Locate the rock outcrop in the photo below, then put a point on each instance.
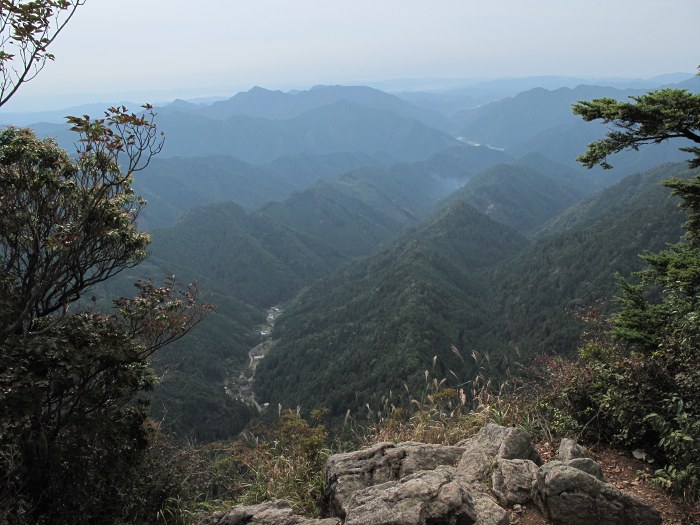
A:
(347, 473)
(278, 512)
(567, 495)
(491, 443)
(476, 482)
(428, 496)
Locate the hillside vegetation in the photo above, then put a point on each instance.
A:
(367, 261)
(466, 280)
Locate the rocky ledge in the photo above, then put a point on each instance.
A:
(474, 482)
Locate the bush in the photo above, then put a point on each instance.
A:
(282, 460)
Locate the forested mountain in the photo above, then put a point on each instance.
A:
(518, 196)
(268, 196)
(277, 105)
(174, 186)
(585, 181)
(575, 265)
(509, 122)
(449, 97)
(541, 121)
(464, 280)
(380, 321)
(358, 211)
(245, 258)
(341, 126)
(242, 255)
(338, 127)
(640, 189)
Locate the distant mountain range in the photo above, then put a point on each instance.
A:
(541, 121)
(172, 186)
(388, 233)
(438, 94)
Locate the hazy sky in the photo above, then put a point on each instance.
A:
(156, 50)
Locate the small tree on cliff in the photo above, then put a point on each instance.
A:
(658, 324)
(651, 119)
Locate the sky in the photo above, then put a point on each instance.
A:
(158, 50)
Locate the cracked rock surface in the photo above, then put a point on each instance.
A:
(475, 482)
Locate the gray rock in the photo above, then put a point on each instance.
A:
(421, 456)
(425, 498)
(514, 481)
(488, 512)
(278, 512)
(589, 466)
(346, 473)
(491, 443)
(567, 495)
(569, 449)
(414, 483)
(577, 456)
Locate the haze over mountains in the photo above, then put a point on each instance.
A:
(392, 228)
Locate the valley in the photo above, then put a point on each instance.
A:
(380, 263)
(387, 238)
(242, 386)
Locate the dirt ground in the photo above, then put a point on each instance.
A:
(627, 474)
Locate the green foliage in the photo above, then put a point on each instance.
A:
(349, 339)
(547, 400)
(652, 118)
(174, 480)
(663, 329)
(28, 28)
(679, 439)
(67, 411)
(72, 425)
(638, 382)
(59, 219)
(282, 460)
(645, 387)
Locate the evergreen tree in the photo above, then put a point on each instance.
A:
(649, 394)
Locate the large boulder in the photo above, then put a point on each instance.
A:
(570, 496)
(277, 512)
(488, 512)
(491, 443)
(345, 474)
(569, 449)
(578, 457)
(425, 498)
(514, 481)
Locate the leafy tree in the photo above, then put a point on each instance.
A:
(27, 29)
(658, 326)
(72, 425)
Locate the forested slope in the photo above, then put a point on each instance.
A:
(463, 280)
(378, 324)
